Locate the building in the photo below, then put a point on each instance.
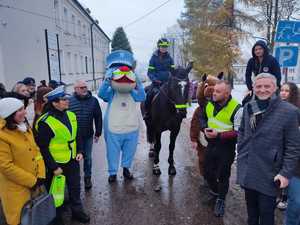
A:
(54, 39)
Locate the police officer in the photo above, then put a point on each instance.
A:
(220, 122)
(160, 66)
(60, 146)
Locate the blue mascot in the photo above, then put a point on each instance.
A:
(122, 90)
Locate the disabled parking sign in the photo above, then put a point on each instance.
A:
(287, 56)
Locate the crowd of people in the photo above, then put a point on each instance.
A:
(262, 134)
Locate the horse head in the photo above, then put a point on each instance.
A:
(206, 86)
(178, 87)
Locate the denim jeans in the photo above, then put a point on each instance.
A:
(292, 216)
(87, 148)
(260, 208)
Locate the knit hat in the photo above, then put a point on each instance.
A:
(9, 106)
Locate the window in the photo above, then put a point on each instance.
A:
(79, 28)
(81, 64)
(62, 61)
(84, 33)
(69, 63)
(66, 25)
(56, 9)
(73, 25)
(86, 64)
(75, 64)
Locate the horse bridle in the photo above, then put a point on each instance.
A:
(177, 106)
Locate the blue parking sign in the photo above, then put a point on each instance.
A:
(288, 31)
(287, 56)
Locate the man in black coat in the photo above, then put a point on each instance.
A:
(261, 62)
(87, 109)
(268, 149)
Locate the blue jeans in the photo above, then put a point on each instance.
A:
(87, 149)
(260, 208)
(292, 216)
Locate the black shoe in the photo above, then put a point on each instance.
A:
(127, 175)
(57, 221)
(80, 216)
(112, 178)
(219, 210)
(87, 183)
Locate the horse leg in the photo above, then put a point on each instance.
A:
(157, 147)
(173, 136)
(150, 139)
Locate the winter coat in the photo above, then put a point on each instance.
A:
(268, 65)
(160, 66)
(21, 164)
(272, 148)
(87, 109)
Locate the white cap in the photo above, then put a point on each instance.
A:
(9, 106)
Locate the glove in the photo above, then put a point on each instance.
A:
(109, 74)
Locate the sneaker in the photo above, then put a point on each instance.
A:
(282, 205)
(80, 216)
(87, 183)
(219, 210)
(112, 178)
(126, 173)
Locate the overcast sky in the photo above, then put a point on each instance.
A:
(143, 34)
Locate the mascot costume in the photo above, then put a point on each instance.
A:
(122, 90)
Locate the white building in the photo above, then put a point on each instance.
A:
(24, 51)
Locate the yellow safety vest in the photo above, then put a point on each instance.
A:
(221, 121)
(62, 146)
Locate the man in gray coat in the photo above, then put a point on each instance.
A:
(268, 149)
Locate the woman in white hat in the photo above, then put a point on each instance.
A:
(21, 164)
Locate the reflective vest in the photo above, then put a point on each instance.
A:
(221, 121)
(62, 146)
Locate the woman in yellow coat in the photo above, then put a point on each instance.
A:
(21, 164)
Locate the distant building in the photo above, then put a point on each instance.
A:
(25, 25)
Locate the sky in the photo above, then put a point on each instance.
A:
(144, 34)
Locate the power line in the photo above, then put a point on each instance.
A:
(147, 14)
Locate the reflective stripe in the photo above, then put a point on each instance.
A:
(163, 44)
(218, 125)
(183, 106)
(172, 66)
(151, 68)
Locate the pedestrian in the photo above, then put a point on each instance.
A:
(220, 121)
(61, 148)
(159, 70)
(122, 90)
(261, 62)
(2, 91)
(42, 84)
(20, 91)
(22, 167)
(288, 92)
(39, 104)
(30, 83)
(88, 111)
(268, 149)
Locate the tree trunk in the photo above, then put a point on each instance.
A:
(275, 24)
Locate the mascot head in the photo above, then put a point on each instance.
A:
(119, 65)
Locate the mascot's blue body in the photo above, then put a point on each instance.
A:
(122, 90)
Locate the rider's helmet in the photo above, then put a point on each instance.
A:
(163, 42)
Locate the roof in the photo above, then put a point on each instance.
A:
(90, 17)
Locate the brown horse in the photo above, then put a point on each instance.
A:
(204, 93)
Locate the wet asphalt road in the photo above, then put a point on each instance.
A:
(181, 201)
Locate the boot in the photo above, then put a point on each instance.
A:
(87, 183)
(80, 216)
(219, 210)
(127, 175)
(57, 221)
(112, 178)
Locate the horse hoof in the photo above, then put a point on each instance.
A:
(151, 153)
(172, 171)
(156, 170)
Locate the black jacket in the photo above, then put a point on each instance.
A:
(268, 65)
(87, 109)
(44, 135)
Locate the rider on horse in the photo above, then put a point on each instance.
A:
(160, 66)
